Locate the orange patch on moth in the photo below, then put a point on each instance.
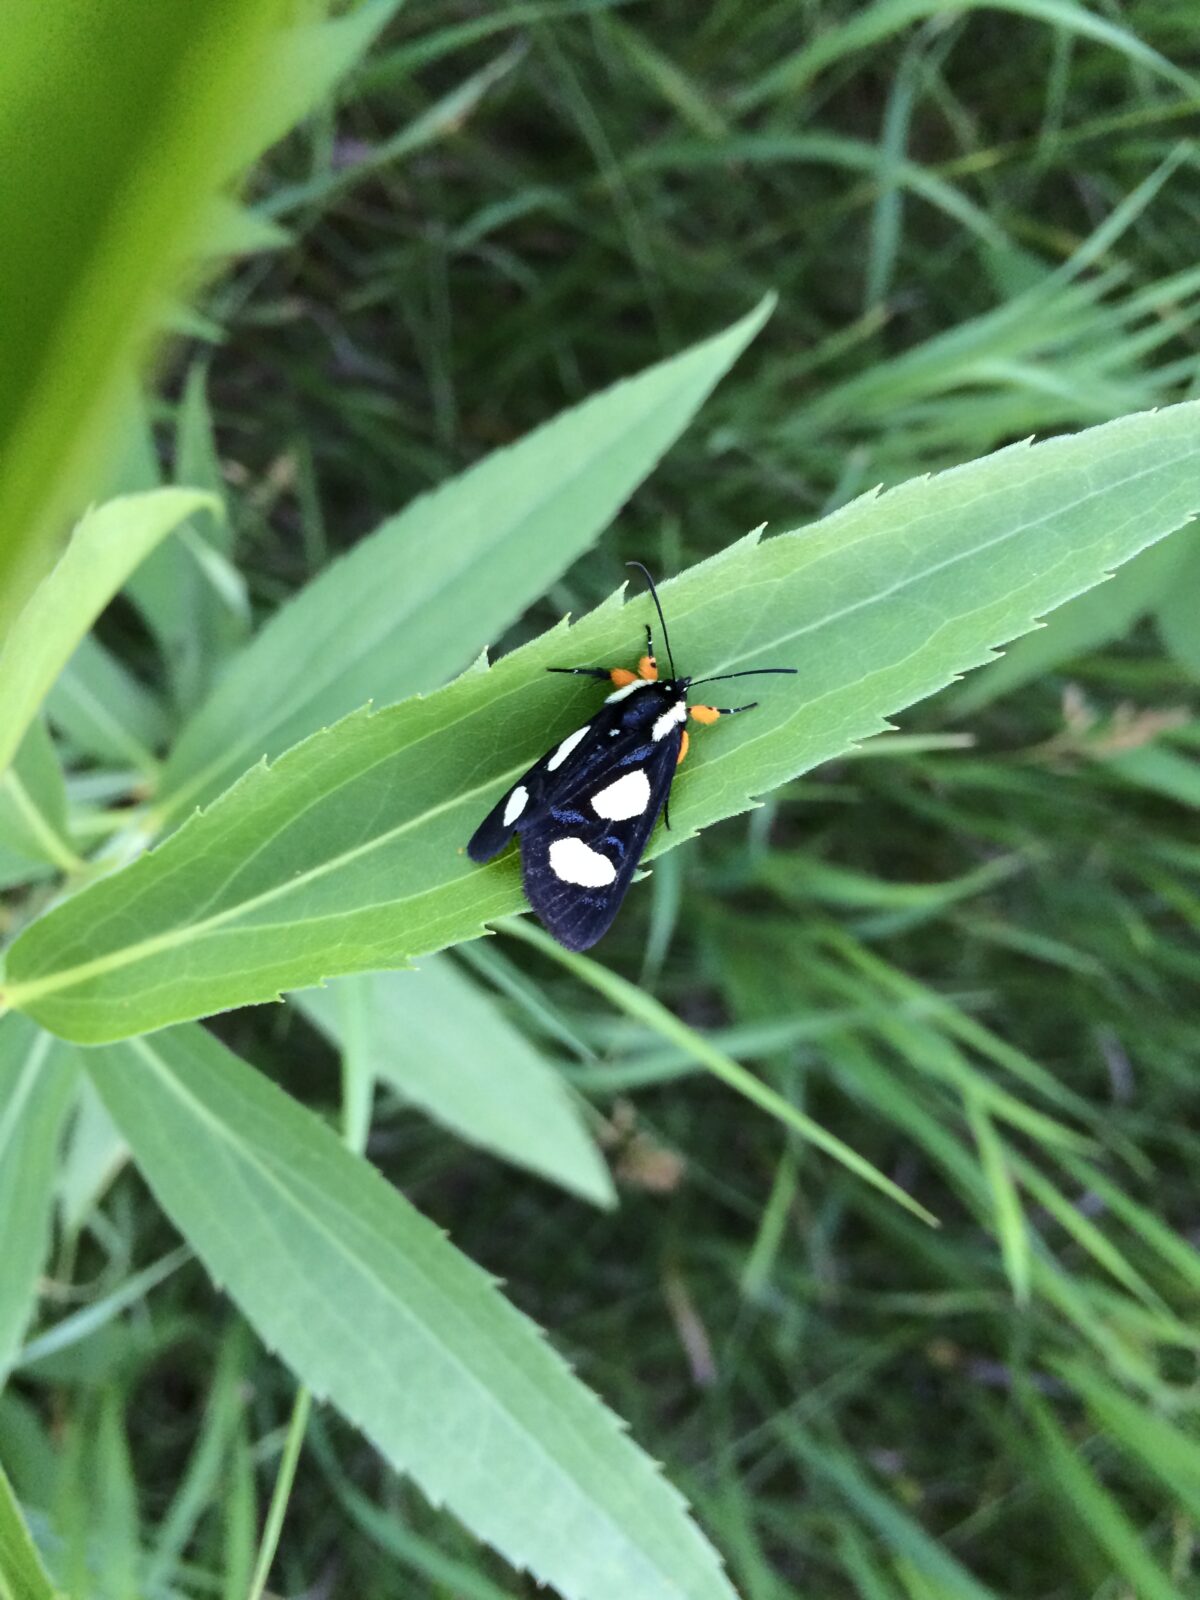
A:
(648, 669)
(621, 676)
(683, 747)
(705, 714)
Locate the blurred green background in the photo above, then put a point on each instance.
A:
(981, 224)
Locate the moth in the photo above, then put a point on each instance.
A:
(585, 811)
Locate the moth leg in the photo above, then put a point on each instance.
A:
(582, 672)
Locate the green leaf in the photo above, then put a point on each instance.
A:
(444, 1044)
(376, 1311)
(104, 549)
(105, 711)
(33, 811)
(115, 136)
(1090, 620)
(347, 855)
(37, 1077)
(869, 24)
(1177, 611)
(1066, 1471)
(430, 588)
(22, 1576)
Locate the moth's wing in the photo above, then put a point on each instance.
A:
(530, 798)
(568, 837)
(494, 832)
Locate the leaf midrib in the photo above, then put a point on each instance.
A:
(19, 994)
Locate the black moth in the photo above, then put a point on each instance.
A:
(585, 811)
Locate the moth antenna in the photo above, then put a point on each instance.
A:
(659, 609)
(754, 672)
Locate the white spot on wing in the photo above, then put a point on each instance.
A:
(572, 861)
(627, 797)
(565, 748)
(626, 690)
(670, 718)
(516, 804)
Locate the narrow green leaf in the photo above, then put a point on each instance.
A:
(347, 854)
(116, 1541)
(95, 1153)
(1066, 1471)
(1177, 612)
(105, 711)
(115, 134)
(645, 1008)
(375, 1310)
(443, 1043)
(37, 1077)
(104, 549)
(429, 589)
(1008, 1217)
(869, 24)
(33, 806)
(22, 1576)
(906, 1539)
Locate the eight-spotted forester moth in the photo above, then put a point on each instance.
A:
(586, 810)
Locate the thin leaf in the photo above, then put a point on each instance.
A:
(104, 549)
(869, 24)
(105, 711)
(636, 1003)
(443, 1043)
(22, 1576)
(347, 855)
(115, 135)
(374, 1309)
(33, 807)
(1066, 1471)
(37, 1078)
(431, 587)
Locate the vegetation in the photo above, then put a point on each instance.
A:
(854, 1171)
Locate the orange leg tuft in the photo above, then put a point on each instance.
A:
(705, 714)
(621, 676)
(648, 669)
(683, 748)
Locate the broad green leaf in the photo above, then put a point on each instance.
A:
(22, 1576)
(115, 135)
(105, 711)
(423, 595)
(375, 1310)
(347, 854)
(37, 1077)
(104, 549)
(1104, 613)
(445, 1045)
(33, 811)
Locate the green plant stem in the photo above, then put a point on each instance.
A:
(281, 1492)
